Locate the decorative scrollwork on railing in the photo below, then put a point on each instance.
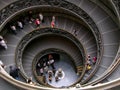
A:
(40, 32)
(117, 4)
(22, 4)
(43, 53)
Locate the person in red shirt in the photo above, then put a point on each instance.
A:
(52, 24)
(94, 60)
(37, 22)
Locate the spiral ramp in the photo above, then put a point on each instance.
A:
(105, 71)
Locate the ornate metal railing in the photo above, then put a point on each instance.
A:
(4, 16)
(109, 71)
(116, 4)
(43, 53)
(13, 9)
(40, 32)
(23, 85)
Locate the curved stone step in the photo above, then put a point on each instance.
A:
(108, 28)
(98, 18)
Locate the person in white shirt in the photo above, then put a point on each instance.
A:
(59, 74)
(53, 18)
(1, 37)
(20, 25)
(41, 17)
(51, 61)
(3, 43)
(14, 30)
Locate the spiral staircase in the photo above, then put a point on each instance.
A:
(82, 28)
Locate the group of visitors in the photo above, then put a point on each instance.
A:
(18, 25)
(47, 69)
(90, 62)
(59, 74)
(39, 19)
(44, 64)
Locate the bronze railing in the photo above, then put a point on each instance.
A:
(40, 32)
(15, 8)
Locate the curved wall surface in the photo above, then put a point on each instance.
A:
(90, 24)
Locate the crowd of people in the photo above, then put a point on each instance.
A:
(45, 64)
(90, 62)
(39, 19)
(18, 25)
(57, 76)
(36, 20)
(47, 69)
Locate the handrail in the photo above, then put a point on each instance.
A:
(116, 8)
(65, 5)
(107, 6)
(103, 86)
(111, 66)
(41, 54)
(99, 57)
(37, 33)
(5, 76)
(72, 8)
(17, 7)
(97, 64)
(109, 70)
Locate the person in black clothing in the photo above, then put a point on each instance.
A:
(40, 68)
(30, 16)
(50, 75)
(29, 80)
(14, 72)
